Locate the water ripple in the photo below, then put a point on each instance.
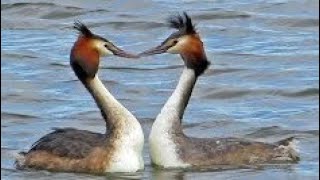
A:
(278, 131)
(222, 15)
(227, 93)
(39, 4)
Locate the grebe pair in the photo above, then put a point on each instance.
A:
(120, 149)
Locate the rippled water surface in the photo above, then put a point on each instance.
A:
(263, 83)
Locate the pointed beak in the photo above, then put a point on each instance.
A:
(157, 50)
(121, 53)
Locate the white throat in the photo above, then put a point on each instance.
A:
(162, 148)
(114, 110)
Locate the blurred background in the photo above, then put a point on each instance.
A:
(263, 83)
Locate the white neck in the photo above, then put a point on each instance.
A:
(163, 149)
(173, 110)
(115, 114)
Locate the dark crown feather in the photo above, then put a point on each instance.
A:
(83, 29)
(183, 23)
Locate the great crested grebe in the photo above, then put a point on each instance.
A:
(170, 147)
(72, 150)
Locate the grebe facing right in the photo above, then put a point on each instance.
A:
(72, 150)
(170, 147)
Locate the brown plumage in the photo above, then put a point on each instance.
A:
(70, 150)
(232, 151)
(85, 55)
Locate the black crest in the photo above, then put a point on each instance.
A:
(83, 29)
(183, 23)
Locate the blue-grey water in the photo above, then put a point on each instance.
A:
(263, 83)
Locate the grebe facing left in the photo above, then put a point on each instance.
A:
(170, 147)
(72, 150)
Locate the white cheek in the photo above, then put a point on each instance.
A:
(174, 50)
(103, 51)
(179, 46)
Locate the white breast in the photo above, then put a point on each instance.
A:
(126, 160)
(163, 150)
(128, 156)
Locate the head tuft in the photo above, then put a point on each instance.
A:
(83, 29)
(183, 23)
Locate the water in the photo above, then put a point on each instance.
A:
(263, 83)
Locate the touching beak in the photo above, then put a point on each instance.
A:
(121, 53)
(157, 50)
